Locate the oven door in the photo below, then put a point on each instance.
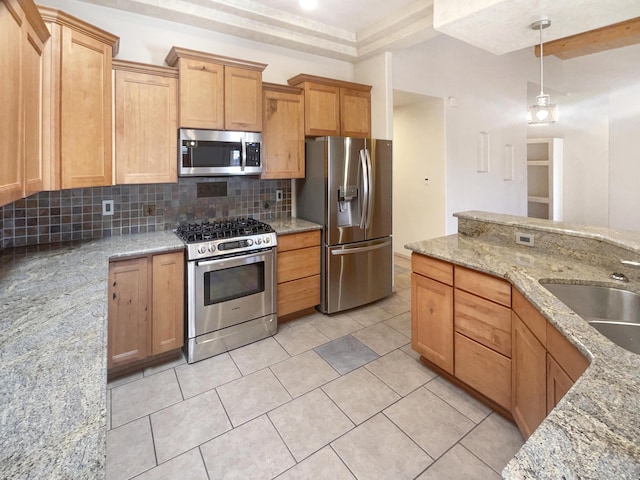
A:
(228, 291)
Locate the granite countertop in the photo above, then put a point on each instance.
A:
(285, 226)
(594, 432)
(53, 376)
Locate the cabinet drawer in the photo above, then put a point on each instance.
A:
(485, 322)
(298, 294)
(483, 285)
(531, 317)
(295, 241)
(433, 268)
(484, 370)
(296, 264)
(568, 357)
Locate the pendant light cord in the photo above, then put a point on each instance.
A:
(541, 64)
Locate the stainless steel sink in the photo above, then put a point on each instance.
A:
(613, 312)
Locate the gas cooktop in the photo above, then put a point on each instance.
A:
(224, 237)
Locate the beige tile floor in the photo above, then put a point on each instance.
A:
(279, 409)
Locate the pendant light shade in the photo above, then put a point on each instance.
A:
(543, 112)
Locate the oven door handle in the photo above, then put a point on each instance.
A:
(234, 259)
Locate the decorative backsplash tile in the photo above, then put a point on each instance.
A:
(76, 214)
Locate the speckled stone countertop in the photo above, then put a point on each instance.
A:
(293, 225)
(53, 311)
(594, 432)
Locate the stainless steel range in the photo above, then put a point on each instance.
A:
(230, 285)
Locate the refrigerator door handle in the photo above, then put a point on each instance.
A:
(370, 192)
(365, 188)
(369, 248)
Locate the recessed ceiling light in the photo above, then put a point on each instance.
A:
(308, 4)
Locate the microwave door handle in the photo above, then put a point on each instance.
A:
(243, 154)
(365, 190)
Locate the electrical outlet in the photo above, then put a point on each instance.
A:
(148, 210)
(107, 207)
(524, 239)
(278, 195)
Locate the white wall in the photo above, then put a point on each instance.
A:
(148, 40)
(418, 205)
(377, 72)
(491, 95)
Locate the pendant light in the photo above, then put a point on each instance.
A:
(543, 112)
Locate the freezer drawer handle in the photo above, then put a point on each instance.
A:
(348, 251)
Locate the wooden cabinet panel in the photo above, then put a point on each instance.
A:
(283, 132)
(531, 317)
(483, 321)
(321, 110)
(297, 264)
(145, 123)
(85, 103)
(298, 295)
(568, 357)
(201, 94)
(558, 383)
(483, 369)
(168, 302)
(529, 382)
(432, 321)
(11, 127)
(355, 113)
(298, 240)
(483, 285)
(128, 324)
(242, 99)
(433, 268)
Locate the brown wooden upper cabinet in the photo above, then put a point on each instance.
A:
(145, 123)
(23, 35)
(283, 131)
(216, 92)
(77, 96)
(334, 107)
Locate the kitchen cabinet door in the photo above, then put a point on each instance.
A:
(355, 113)
(11, 129)
(77, 103)
(283, 132)
(22, 37)
(145, 123)
(321, 109)
(432, 321)
(201, 94)
(167, 291)
(128, 318)
(558, 383)
(529, 382)
(242, 99)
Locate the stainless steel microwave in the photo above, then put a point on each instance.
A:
(206, 153)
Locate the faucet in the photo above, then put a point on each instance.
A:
(630, 263)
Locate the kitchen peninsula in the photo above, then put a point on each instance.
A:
(594, 432)
(53, 362)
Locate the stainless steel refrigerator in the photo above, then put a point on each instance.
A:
(347, 189)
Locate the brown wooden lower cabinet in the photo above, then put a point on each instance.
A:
(487, 337)
(146, 308)
(298, 273)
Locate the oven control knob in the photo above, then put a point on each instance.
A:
(259, 241)
(267, 239)
(212, 248)
(202, 249)
(250, 243)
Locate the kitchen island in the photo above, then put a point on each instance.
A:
(53, 344)
(594, 432)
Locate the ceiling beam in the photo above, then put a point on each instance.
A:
(613, 36)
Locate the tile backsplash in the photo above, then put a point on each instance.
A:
(76, 214)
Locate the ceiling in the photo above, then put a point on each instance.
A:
(353, 30)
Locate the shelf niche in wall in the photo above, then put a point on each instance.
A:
(544, 178)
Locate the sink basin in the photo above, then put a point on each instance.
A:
(613, 312)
